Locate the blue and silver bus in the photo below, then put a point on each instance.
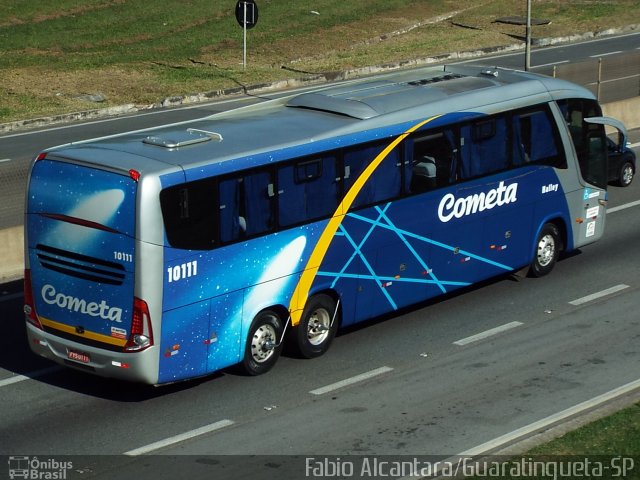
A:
(170, 253)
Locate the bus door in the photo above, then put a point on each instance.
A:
(586, 128)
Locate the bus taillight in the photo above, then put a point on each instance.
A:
(134, 174)
(29, 308)
(141, 335)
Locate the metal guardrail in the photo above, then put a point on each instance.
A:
(610, 78)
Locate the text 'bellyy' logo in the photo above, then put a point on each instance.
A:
(452, 207)
(95, 309)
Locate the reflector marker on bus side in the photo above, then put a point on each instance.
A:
(301, 292)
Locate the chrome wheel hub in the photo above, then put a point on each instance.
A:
(263, 343)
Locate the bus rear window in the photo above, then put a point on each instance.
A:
(83, 195)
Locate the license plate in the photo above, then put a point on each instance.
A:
(78, 356)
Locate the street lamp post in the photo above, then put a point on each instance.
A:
(527, 49)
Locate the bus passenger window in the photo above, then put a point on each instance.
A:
(246, 206)
(535, 140)
(383, 184)
(431, 161)
(189, 215)
(307, 190)
(483, 147)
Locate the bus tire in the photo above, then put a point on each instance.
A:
(547, 251)
(263, 343)
(625, 176)
(317, 326)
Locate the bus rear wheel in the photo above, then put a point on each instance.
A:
(263, 343)
(317, 326)
(548, 248)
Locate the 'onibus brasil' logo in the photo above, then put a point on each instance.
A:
(451, 207)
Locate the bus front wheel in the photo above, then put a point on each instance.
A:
(547, 251)
(317, 326)
(263, 343)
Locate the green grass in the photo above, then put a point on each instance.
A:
(141, 51)
(617, 434)
(609, 447)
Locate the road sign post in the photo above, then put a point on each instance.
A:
(247, 17)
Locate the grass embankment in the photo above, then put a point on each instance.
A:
(617, 434)
(608, 448)
(133, 51)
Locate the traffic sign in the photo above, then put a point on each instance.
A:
(247, 13)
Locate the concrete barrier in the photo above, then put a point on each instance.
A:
(11, 254)
(628, 111)
(12, 239)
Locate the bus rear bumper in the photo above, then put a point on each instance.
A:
(135, 366)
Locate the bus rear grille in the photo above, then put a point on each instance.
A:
(80, 266)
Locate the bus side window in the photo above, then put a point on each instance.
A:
(535, 140)
(229, 210)
(483, 147)
(246, 206)
(189, 216)
(307, 190)
(383, 184)
(431, 162)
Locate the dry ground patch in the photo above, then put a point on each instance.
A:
(130, 51)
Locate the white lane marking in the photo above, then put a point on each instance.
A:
(597, 295)
(196, 105)
(550, 64)
(623, 207)
(552, 47)
(351, 381)
(130, 115)
(28, 376)
(179, 438)
(634, 145)
(487, 333)
(605, 54)
(5, 160)
(546, 422)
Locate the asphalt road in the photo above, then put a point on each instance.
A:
(419, 383)
(432, 389)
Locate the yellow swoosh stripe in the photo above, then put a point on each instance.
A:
(301, 293)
